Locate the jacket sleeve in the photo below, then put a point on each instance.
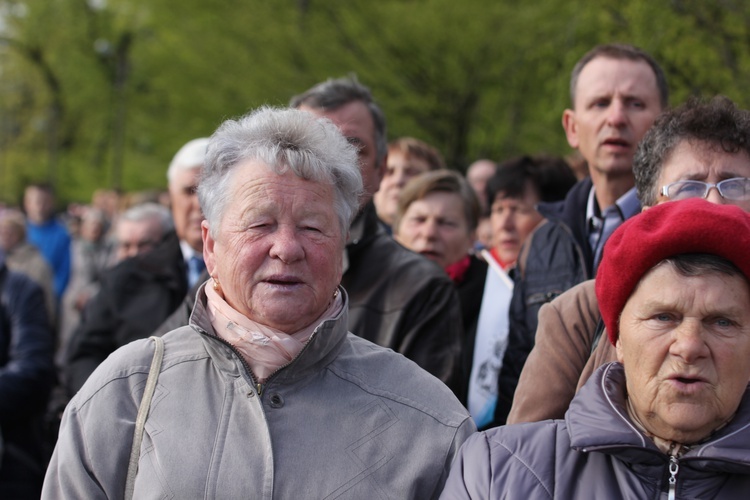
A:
(464, 432)
(563, 344)
(92, 341)
(28, 373)
(431, 331)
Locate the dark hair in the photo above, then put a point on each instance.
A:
(699, 264)
(718, 124)
(414, 148)
(335, 93)
(447, 181)
(550, 176)
(620, 51)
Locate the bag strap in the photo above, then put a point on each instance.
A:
(143, 409)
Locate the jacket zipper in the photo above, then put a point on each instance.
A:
(674, 468)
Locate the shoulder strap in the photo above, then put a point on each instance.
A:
(140, 421)
(597, 335)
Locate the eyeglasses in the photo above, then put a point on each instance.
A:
(737, 188)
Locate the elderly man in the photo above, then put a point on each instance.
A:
(398, 299)
(671, 418)
(138, 294)
(616, 92)
(264, 394)
(700, 149)
(140, 229)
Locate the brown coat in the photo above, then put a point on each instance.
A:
(561, 361)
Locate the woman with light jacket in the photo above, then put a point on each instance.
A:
(264, 394)
(671, 418)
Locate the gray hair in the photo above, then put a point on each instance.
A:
(283, 139)
(149, 211)
(335, 93)
(717, 124)
(191, 155)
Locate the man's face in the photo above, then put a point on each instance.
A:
(186, 210)
(137, 237)
(355, 123)
(616, 101)
(38, 204)
(698, 161)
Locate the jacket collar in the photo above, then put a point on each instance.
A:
(597, 420)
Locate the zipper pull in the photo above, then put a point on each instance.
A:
(259, 387)
(674, 468)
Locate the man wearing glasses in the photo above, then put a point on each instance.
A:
(698, 150)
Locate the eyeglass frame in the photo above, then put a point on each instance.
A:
(708, 186)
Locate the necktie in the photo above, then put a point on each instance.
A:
(195, 268)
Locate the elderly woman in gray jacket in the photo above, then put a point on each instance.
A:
(671, 419)
(264, 394)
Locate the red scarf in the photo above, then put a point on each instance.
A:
(496, 256)
(458, 269)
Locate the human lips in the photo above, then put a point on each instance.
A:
(616, 143)
(687, 383)
(282, 280)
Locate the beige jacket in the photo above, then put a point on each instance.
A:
(561, 361)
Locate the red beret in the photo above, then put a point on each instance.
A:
(663, 231)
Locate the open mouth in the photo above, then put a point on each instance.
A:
(622, 143)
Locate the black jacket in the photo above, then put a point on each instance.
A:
(27, 374)
(135, 297)
(555, 257)
(401, 300)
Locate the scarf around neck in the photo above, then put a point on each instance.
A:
(265, 349)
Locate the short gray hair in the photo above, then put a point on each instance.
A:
(337, 92)
(191, 155)
(149, 211)
(283, 139)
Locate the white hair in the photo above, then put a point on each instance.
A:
(191, 155)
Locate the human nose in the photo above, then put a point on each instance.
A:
(616, 116)
(688, 341)
(286, 246)
(508, 221)
(714, 196)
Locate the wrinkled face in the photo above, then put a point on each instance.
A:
(616, 103)
(355, 123)
(436, 227)
(512, 220)
(278, 249)
(137, 237)
(38, 204)
(697, 161)
(186, 210)
(399, 170)
(685, 351)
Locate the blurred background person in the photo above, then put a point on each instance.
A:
(139, 294)
(513, 192)
(48, 234)
(407, 158)
(23, 257)
(437, 217)
(27, 374)
(477, 174)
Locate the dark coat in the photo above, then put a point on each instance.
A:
(135, 297)
(401, 300)
(596, 452)
(27, 374)
(470, 292)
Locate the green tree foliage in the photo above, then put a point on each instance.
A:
(101, 93)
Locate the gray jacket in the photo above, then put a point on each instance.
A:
(597, 453)
(345, 419)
